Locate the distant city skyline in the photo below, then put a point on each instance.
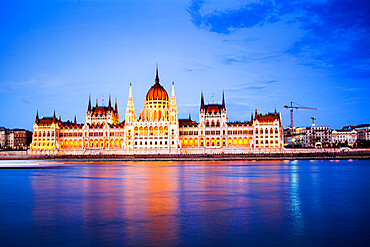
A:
(260, 53)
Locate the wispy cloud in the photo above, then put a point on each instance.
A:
(352, 100)
(226, 21)
(251, 57)
(23, 100)
(349, 89)
(256, 86)
(336, 37)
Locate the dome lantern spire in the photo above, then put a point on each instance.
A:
(156, 75)
(157, 92)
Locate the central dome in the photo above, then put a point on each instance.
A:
(157, 92)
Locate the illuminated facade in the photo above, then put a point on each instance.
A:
(157, 130)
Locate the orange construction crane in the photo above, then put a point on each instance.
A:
(291, 107)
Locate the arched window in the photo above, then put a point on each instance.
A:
(154, 115)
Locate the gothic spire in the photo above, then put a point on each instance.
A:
(156, 75)
(130, 109)
(115, 106)
(109, 104)
(75, 122)
(96, 102)
(37, 117)
(201, 101)
(173, 90)
(223, 100)
(89, 106)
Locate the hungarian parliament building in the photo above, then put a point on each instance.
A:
(157, 130)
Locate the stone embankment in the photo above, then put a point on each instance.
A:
(289, 154)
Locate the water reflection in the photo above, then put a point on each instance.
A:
(296, 204)
(189, 203)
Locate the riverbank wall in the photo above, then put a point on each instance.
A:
(289, 154)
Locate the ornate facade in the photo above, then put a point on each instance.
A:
(157, 130)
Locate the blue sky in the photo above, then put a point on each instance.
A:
(263, 54)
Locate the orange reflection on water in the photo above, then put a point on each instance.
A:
(151, 196)
(147, 200)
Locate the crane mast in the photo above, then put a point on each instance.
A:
(291, 107)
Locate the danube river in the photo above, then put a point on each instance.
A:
(261, 203)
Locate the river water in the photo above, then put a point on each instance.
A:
(250, 203)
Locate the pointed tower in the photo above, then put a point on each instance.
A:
(173, 106)
(115, 106)
(37, 120)
(75, 121)
(97, 103)
(202, 111)
(156, 75)
(130, 109)
(130, 121)
(89, 105)
(223, 111)
(173, 121)
(54, 118)
(173, 91)
(201, 101)
(109, 104)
